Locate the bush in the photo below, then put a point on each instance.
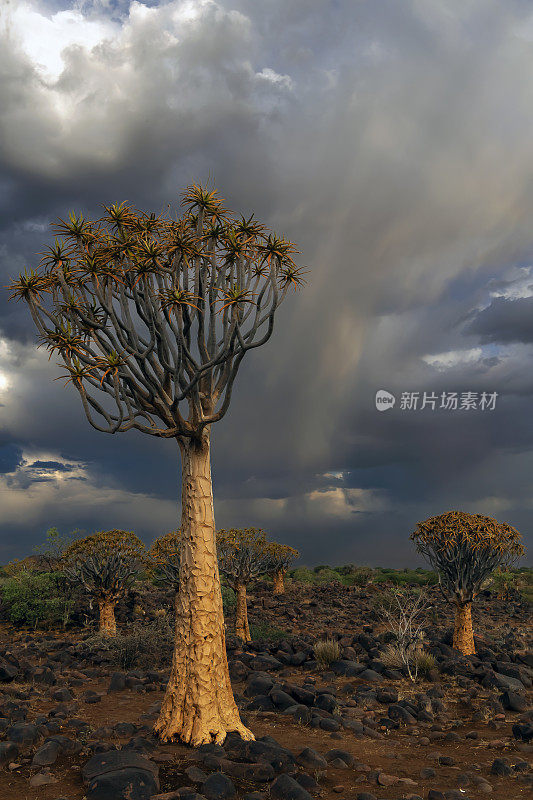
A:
(141, 646)
(302, 575)
(425, 662)
(359, 576)
(263, 632)
(327, 575)
(420, 661)
(229, 601)
(404, 612)
(326, 651)
(37, 599)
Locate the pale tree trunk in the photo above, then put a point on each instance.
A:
(242, 631)
(107, 622)
(198, 706)
(279, 585)
(463, 636)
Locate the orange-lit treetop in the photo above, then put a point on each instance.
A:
(281, 556)
(465, 548)
(105, 562)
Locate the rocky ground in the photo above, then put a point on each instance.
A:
(72, 726)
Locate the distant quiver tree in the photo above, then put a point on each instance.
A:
(104, 565)
(243, 555)
(281, 557)
(464, 549)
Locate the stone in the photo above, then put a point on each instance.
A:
(500, 767)
(506, 682)
(512, 701)
(371, 676)
(42, 779)
(330, 725)
(387, 780)
(258, 684)
(523, 731)
(343, 755)
(117, 683)
(326, 702)
(281, 699)
(261, 703)
(310, 759)
(347, 668)
(195, 774)
(286, 788)
(24, 733)
(8, 672)
(218, 787)
(46, 754)
(8, 751)
(120, 775)
(62, 695)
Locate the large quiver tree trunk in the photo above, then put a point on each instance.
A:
(198, 706)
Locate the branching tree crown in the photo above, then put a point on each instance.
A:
(104, 563)
(465, 548)
(242, 554)
(164, 558)
(280, 556)
(152, 315)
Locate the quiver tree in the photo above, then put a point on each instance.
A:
(152, 317)
(464, 549)
(242, 556)
(104, 565)
(281, 557)
(164, 559)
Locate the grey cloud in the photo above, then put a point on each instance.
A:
(394, 148)
(505, 320)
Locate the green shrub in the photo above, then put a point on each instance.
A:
(327, 575)
(302, 575)
(358, 576)
(37, 599)
(229, 601)
(263, 632)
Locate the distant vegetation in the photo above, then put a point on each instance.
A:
(35, 592)
(353, 575)
(516, 581)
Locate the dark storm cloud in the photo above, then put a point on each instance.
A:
(505, 321)
(10, 457)
(391, 142)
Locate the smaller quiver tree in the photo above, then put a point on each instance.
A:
(464, 549)
(281, 556)
(164, 561)
(104, 564)
(242, 556)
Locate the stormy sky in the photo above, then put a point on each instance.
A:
(392, 142)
